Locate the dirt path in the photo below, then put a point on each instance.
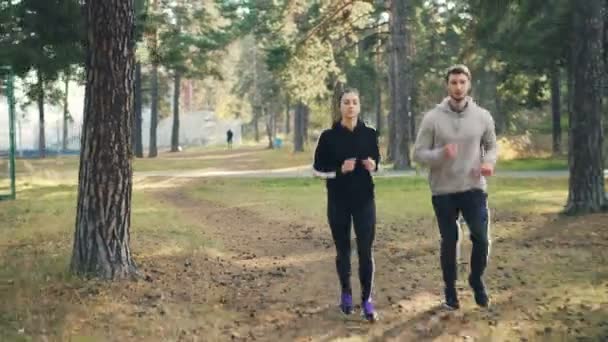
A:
(277, 278)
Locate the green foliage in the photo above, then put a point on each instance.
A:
(41, 35)
(256, 84)
(527, 39)
(188, 37)
(528, 33)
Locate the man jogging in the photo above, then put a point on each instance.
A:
(457, 141)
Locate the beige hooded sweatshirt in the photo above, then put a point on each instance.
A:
(472, 130)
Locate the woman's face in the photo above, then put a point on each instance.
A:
(349, 106)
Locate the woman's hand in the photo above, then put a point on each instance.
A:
(348, 165)
(369, 164)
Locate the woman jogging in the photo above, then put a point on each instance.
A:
(346, 156)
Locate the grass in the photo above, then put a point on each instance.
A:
(245, 158)
(396, 197)
(204, 158)
(35, 249)
(534, 164)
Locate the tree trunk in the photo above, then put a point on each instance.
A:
(40, 101)
(570, 86)
(586, 185)
(153, 150)
(137, 104)
(176, 95)
(298, 129)
(305, 123)
(556, 111)
(66, 113)
(270, 129)
(287, 116)
(103, 218)
(400, 54)
(336, 114)
(392, 76)
(275, 118)
(493, 100)
(379, 105)
(378, 84)
(413, 108)
(256, 128)
(390, 148)
(605, 82)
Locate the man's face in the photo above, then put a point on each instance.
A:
(458, 86)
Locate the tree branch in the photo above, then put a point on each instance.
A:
(323, 22)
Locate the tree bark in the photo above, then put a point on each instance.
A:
(153, 149)
(137, 130)
(392, 76)
(256, 127)
(379, 105)
(392, 137)
(605, 82)
(413, 108)
(586, 184)
(378, 85)
(40, 101)
(103, 218)
(270, 129)
(494, 101)
(305, 124)
(556, 111)
(401, 55)
(287, 116)
(176, 95)
(298, 129)
(66, 112)
(570, 86)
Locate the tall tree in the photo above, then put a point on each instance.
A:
(141, 11)
(153, 148)
(138, 148)
(189, 43)
(177, 85)
(260, 87)
(556, 110)
(43, 37)
(103, 218)
(298, 134)
(514, 31)
(155, 60)
(66, 111)
(400, 56)
(586, 185)
(69, 74)
(287, 114)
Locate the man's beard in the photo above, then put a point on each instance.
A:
(458, 99)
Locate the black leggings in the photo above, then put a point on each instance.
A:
(340, 215)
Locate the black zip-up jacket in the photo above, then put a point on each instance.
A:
(339, 144)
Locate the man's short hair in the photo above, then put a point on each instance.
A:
(457, 69)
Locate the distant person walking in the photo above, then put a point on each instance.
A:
(229, 136)
(346, 156)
